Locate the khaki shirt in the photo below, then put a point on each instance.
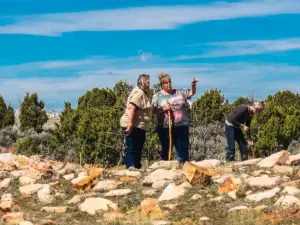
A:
(143, 113)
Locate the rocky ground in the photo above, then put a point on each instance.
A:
(257, 191)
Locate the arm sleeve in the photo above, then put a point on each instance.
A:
(237, 114)
(248, 123)
(136, 100)
(185, 93)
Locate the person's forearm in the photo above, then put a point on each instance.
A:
(131, 115)
(193, 90)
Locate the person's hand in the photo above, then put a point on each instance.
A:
(245, 128)
(167, 107)
(128, 130)
(250, 143)
(194, 81)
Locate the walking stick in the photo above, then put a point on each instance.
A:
(170, 134)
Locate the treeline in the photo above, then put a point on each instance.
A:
(91, 133)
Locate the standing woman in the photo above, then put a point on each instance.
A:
(175, 101)
(136, 121)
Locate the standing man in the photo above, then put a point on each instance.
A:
(240, 119)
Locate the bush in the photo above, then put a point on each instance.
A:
(35, 143)
(8, 136)
(294, 147)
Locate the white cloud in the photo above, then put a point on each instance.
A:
(145, 18)
(234, 79)
(245, 47)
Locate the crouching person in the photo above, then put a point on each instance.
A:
(136, 121)
(239, 119)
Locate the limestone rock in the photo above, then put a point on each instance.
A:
(25, 180)
(227, 186)
(13, 218)
(107, 185)
(162, 174)
(58, 209)
(172, 192)
(257, 197)
(238, 208)
(150, 209)
(69, 177)
(291, 190)
(164, 165)
(28, 190)
(287, 201)
(76, 199)
(5, 183)
(93, 205)
(294, 160)
(279, 158)
(25, 223)
(119, 192)
(44, 195)
(263, 181)
(249, 162)
(286, 170)
(196, 197)
(208, 163)
(149, 192)
(196, 174)
(161, 184)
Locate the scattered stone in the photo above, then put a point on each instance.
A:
(293, 160)
(93, 205)
(119, 192)
(278, 158)
(28, 190)
(44, 195)
(165, 165)
(25, 223)
(196, 174)
(293, 183)
(6, 157)
(6, 206)
(196, 197)
(291, 190)
(257, 197)
(244, 176)
(204, 218)
(135, 174)
(13, 218)
(208, 163)
(249, 192)
(161, 184)
(150, 209)
(58, 210)
(257, 173)
(62, 172)
(217, 199)
(113, 216)
(149, 192)
(232, 195)
(25, 180)
(5, 183)
(263, 181)
(162, 174)
(69, 177)
(227, 186)
(158, 222)
(3, 174)
(238, 208)
(170, 206)
(286, 170)
(287, 201)
(76, 199)
(222, 179)
(186, 185)
(107, 185)
(6, 197)
(250, 162)
(172, 192)
(80, 177)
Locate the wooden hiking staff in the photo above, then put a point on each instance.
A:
(170, 134)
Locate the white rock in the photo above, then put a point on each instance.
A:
(28, 190)
(92, 205)
(6, 157)
(232, 195)
(263, 181)
(263, 195)
(44, 195)
(18, 173)
(136, 174)
(275, 159)
(287, 201)
(249, 192)
(172, 192)
(217, 199)
(76, 199)
(69, 177)
(80, 177)
(6, 197)
(293, 160)
(186, 185)
(164, 165)
(149, 192)
(250, 162)
(161, 184)
(238, 208)
(158, 222)
(25, 180)
(107, 185)
(162, 174)
(196, 197)
(119, 192)
(25, 223)
(204, 218)
(5, 183)
(223, 178)
(208, 163)
(290, 190)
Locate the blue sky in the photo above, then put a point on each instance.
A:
(62, 48)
